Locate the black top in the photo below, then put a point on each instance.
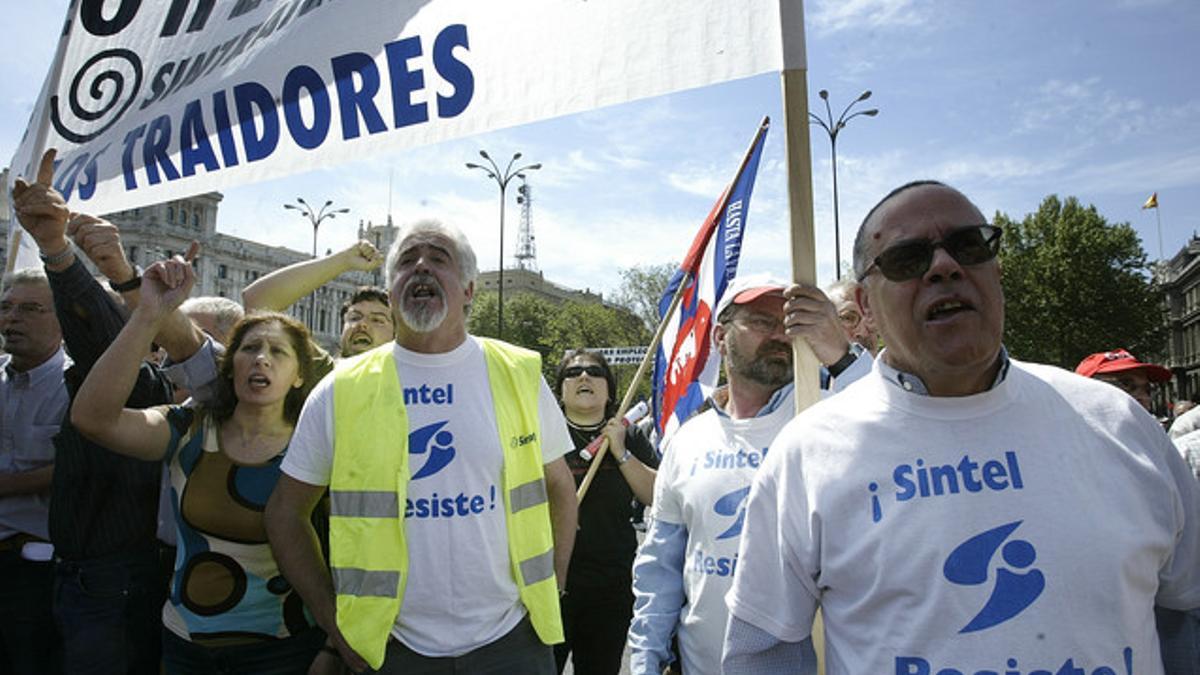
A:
(605, 543)
(101, 503)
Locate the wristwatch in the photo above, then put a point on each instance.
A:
(625, 457)
(131, 284)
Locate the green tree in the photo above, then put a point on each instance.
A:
(526, 318)
(1075, 284)
(551, 330)
(594, 325)
(641, 288)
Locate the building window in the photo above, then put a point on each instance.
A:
(323, 318)
(222, 272)
(170, 214)
(196, 220)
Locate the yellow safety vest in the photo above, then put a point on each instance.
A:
(368, 554)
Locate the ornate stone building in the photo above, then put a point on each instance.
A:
(1180, 281)
(535, 283)
(228, 264)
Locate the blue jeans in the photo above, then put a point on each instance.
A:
(29, 645)
(109, 611)
(288, 656)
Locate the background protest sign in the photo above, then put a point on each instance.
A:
(152, 101)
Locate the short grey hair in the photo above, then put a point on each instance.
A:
(468, 269)
(28, 276)
(841, 289)
(224, 311)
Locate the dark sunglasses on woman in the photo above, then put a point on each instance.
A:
(575, 371)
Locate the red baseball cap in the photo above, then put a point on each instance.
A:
(1117, 361)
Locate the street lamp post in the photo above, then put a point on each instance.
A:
(832, 128)
(316, 219)
(502, 177)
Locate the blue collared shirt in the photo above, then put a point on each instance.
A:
(32, 406)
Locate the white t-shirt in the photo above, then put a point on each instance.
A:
(1022, 529)
(702, 484)
(460, 594)
(1185, 423)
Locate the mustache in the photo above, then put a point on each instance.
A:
(775, 346)
(425, 279)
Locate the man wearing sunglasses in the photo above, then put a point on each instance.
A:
(958, 511)
(687, 560)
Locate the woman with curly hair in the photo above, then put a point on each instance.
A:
(230, 610)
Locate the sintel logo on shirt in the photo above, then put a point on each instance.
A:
(968, 565)
(918, 481)
(720, 459)
(436, 444)
(1012, 592)
(731, 505)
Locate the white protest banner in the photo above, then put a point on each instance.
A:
(149, 101)
(621, 356)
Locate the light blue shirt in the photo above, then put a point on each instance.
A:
(32, 406)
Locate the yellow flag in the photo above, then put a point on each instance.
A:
(1152, 202)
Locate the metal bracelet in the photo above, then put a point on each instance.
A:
(58, 258)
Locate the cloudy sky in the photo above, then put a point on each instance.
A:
(1010, 101)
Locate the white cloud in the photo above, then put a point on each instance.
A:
(1142, 4)
(1087, 111)
(701, 182)
(830, 16)
(1143, 173)
(1000, 168)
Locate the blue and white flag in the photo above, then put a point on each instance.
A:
(687, 365)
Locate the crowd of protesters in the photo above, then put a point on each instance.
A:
(193, 485)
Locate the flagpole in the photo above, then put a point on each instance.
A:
(1158, 218)
(633, 384)
(15, 232)
(710, 222)
(805, 365)
(794, 83)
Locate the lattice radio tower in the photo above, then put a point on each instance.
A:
(526, 248)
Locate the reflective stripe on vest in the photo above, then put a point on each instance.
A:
(369, 483)
(528, 495)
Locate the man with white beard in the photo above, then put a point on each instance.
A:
(453, 511)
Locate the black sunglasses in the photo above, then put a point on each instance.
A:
(907, 260)
(575, 371)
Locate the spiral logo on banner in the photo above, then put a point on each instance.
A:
(101, 91)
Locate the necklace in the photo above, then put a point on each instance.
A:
(586, 427)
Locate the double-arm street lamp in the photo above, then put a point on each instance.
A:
(316, 219)
(832, 128)
(502, 178)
